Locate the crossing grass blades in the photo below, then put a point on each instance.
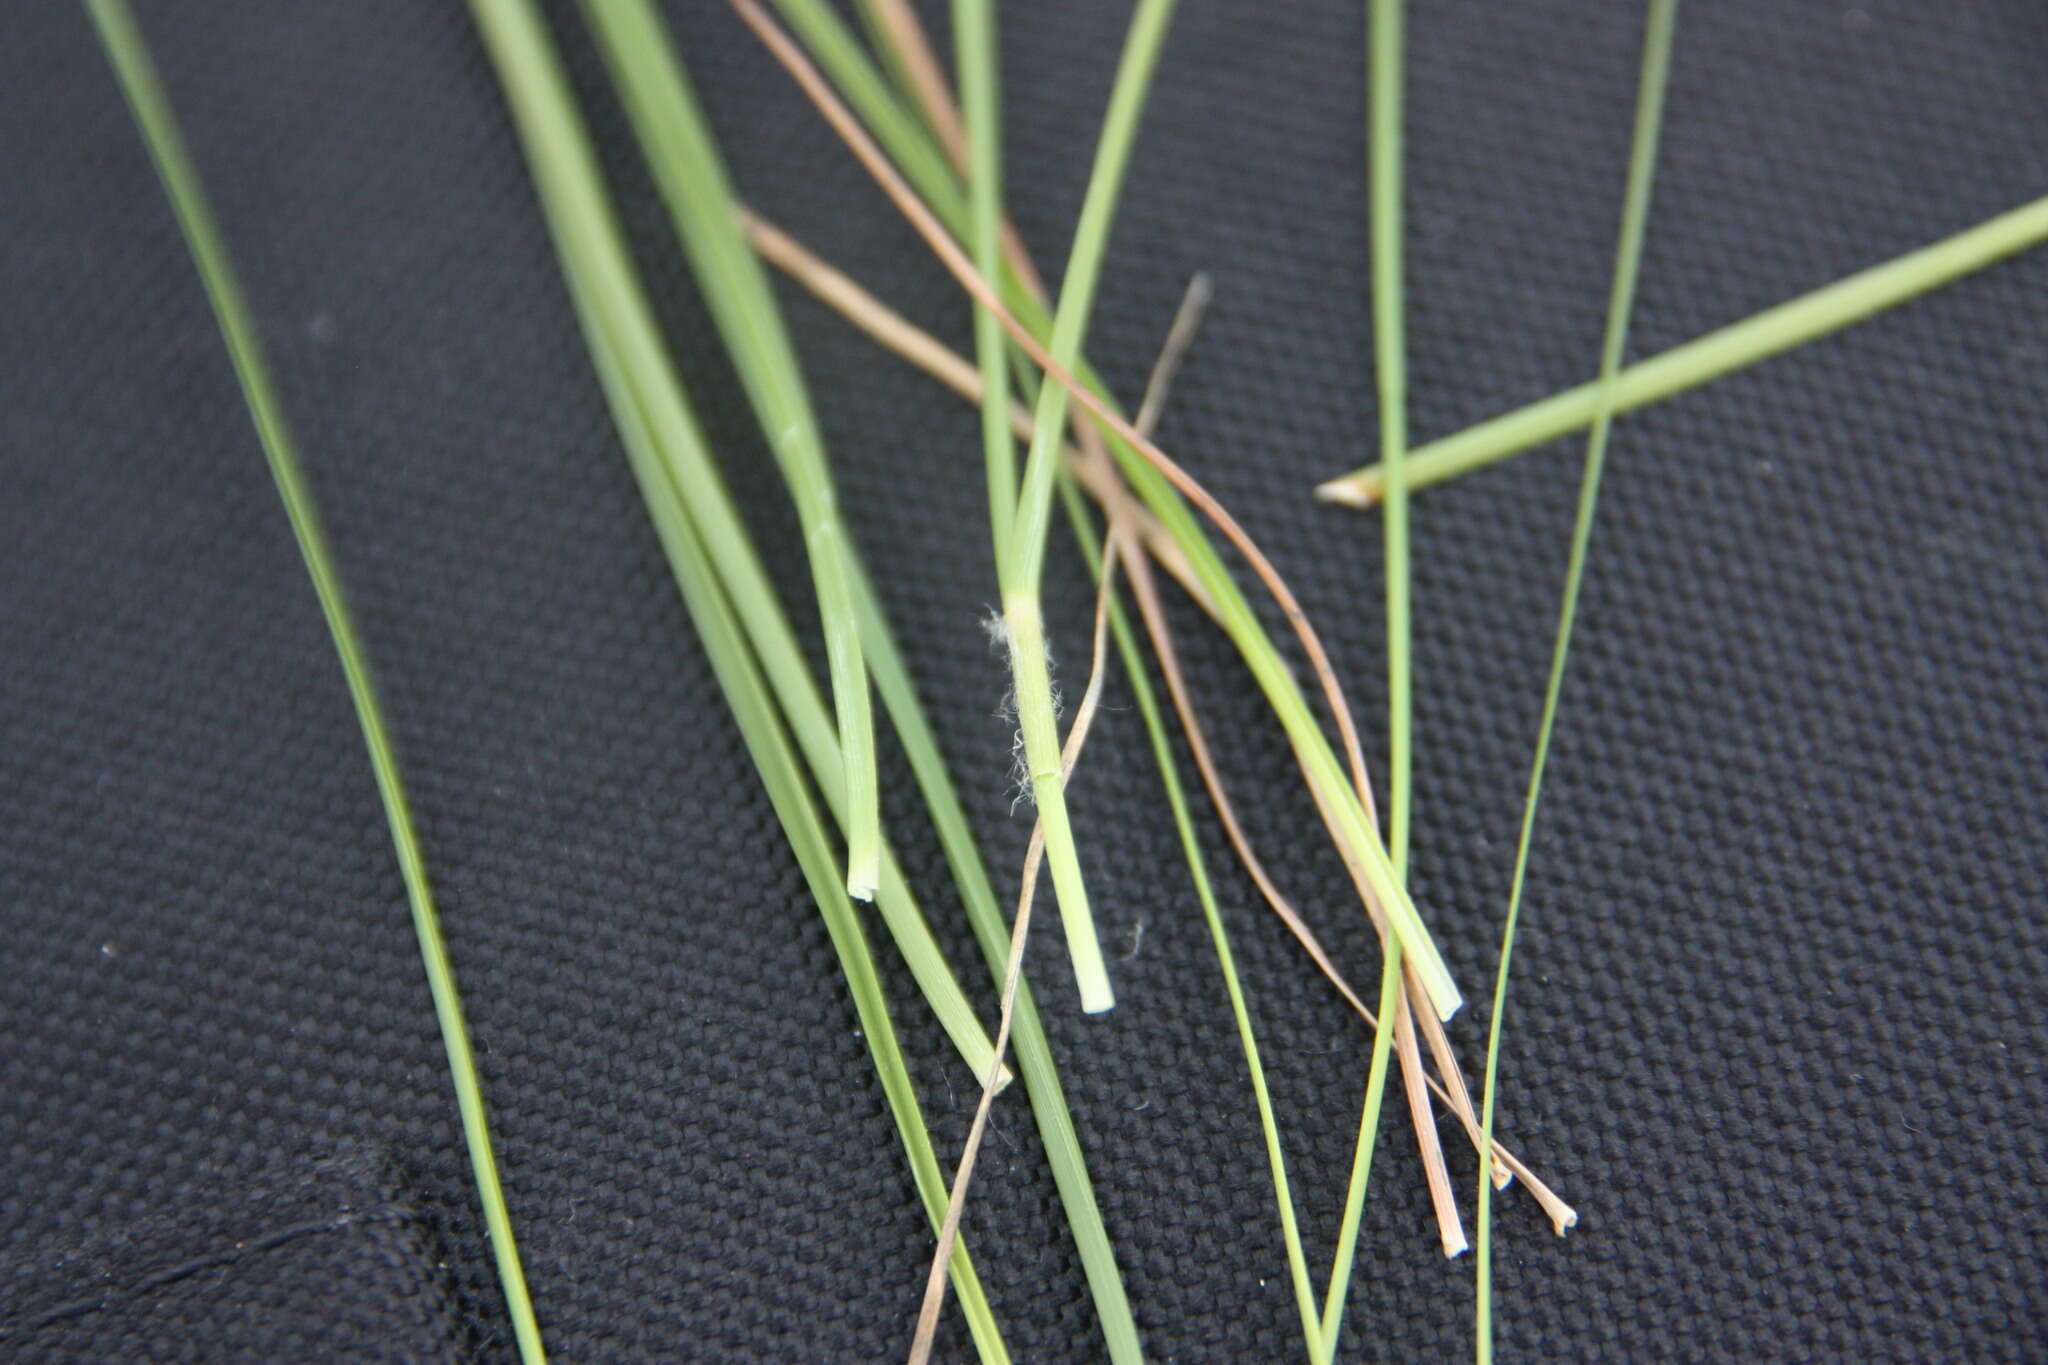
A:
(1140, 523)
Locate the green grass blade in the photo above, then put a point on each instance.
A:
(1737, 346)
(693, 183)
(1390, 353)
(660, 435)
(666, 116)
(1176, 797)
(974, 31)
(747, 694)
(126, 49)
(1033, 1049)
(1628, 258)
(898, 129)
(1038, 727)
(1022, 553)
(572, 174)
(1077, 284)
(1361, 1156)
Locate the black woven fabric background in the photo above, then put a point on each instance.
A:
(1777, 1027)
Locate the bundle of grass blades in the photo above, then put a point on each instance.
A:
(1118, 501)
(125, 48)
(684, 158)
(1159, 483)
(668, 456)
(920, 158)
(1164, 486)
(1166, 492)
(836, 48)
(672, 133)
(900, 336)
(662, 104)
(693, 182)
(1110, 616)
(635, 49)
(903, 338)
(944, 171)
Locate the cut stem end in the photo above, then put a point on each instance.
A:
(1353, 490)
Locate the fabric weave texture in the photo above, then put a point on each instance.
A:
(1778, 1026)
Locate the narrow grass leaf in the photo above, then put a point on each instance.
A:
(694, 184)
(1078, 283)
(1383, 95)
(974, 33)
(774, 640)
(1656, 70)
(1361, 1163)
(1737, 346)
(139, 82)
(1022, 552)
